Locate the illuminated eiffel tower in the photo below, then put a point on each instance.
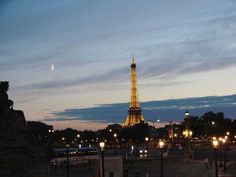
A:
(135, 115)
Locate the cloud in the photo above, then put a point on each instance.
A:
(190, 47)
(204, 46)
(164, 110)
(109, 76)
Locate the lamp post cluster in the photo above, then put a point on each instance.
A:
(221, 143)
(188, 134)
(51, 137)
(102, 146)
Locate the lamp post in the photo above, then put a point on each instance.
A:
(224, 152)
(221, 151)
(147, 168)
(102, 145)
(146, 140)
(115, 136)
(226, 147)
(187, 133)
(67, 161)
(161, 144)
(215, 144)
(78, 138)
(51, 137)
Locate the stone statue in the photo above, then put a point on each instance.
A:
(5, 103)
(11, 120)
(17, 151)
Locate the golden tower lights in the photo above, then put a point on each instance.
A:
(135, 115)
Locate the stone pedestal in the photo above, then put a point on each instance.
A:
(19, 157)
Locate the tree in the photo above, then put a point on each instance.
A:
(39, 132)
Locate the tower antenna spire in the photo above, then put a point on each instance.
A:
(133, 60)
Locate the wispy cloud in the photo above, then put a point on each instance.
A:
(207, 45)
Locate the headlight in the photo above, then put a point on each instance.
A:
(145, 151)
(140, 151)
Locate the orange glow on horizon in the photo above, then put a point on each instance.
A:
(79, 125)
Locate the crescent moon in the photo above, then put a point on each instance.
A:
(52, 67)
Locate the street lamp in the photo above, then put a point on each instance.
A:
(115, 136)
(102, 145)
(161, 144)
(63, 140)
(227, 144)
(51, 138)
(190, 133)
(186, 113)
(78, 137)
(147, 168)
(146, 139)
(215, 144)
(187, 133)
(67, 161)
(221, 151)
(224, 152)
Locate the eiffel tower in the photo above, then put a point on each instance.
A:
(135, 115)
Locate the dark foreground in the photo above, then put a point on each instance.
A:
(174, 166)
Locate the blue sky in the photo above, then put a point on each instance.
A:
(183, 48)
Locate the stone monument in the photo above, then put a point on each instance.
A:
(19, 155)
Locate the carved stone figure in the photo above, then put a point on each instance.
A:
(17, 152)
(5, 103)
(10, 120)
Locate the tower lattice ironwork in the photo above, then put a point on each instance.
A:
(135, 115)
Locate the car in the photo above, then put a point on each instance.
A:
(143, 151)
(139, 151)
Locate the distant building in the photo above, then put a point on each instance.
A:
(135, 115)
(170, 130)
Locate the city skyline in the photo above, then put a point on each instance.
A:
(62, 55)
